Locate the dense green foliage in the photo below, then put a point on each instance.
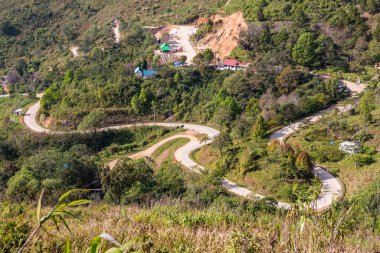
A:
(41, 32)
(287, 42)
(29, 163)
(341, 35)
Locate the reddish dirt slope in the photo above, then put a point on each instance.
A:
(225, 36)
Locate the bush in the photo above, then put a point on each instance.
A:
(204, 190)
(363, 137)
(363, 159)
(170, 180)
(13, 234)
(55, 170)
(7, 170)
(247, 161)
(329, 154)
(92, 120)
(129, 181)
(304, 165)
(23, 185)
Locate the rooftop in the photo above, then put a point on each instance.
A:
(231, 62)
(165, 46)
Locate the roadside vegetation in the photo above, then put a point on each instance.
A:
(165, 153)
(299, 53)
(322, 142)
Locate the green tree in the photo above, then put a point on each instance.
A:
(307, 51)
(367, 105)
(69, 75)
(23, 185)
(222, 141)
(92, 120)
(334, 89)
(265, 38)
(129, 181)
(287, 80)
(177, 77)
(203, 59)
(183, 59)
(252, 108)
(50, 97)
(260, 128)
(170, 180)
(141, 103)
(304, 165)
(374, 50)
(208, 55)
(8, 29)
(232, 106)
(300, 19)
(21, 67)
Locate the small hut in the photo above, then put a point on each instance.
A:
(165, 48)
(18, 112)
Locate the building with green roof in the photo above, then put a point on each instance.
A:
(165, 48)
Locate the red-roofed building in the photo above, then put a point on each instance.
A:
(231, 64)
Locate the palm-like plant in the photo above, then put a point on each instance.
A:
(57, 214)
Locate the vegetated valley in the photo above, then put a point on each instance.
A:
(190, 126)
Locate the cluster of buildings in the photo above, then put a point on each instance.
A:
(226, 64)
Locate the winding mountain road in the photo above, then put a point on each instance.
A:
(332, 188)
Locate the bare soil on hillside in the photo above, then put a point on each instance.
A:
(225, 35)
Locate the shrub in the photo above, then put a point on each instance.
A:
(7, 170)
(260, 128)
(13, 234)
(170, 180)
(92, 120)
(247, 161)
(329, 154)
(129, 181)
(363, 159)
(363, 137)
(304, 165)
(287, 80)
(23, 185)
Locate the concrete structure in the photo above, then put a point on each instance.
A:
(350, 147)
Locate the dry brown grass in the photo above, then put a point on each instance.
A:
(175, 227)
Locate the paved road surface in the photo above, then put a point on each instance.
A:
(285, 132)
(149, 151)
(7, 95)
(331, 187)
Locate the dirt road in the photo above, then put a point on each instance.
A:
(182, 37)
(149, 151)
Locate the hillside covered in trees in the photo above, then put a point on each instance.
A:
(300, 56)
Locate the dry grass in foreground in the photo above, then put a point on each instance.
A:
(227, 226)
